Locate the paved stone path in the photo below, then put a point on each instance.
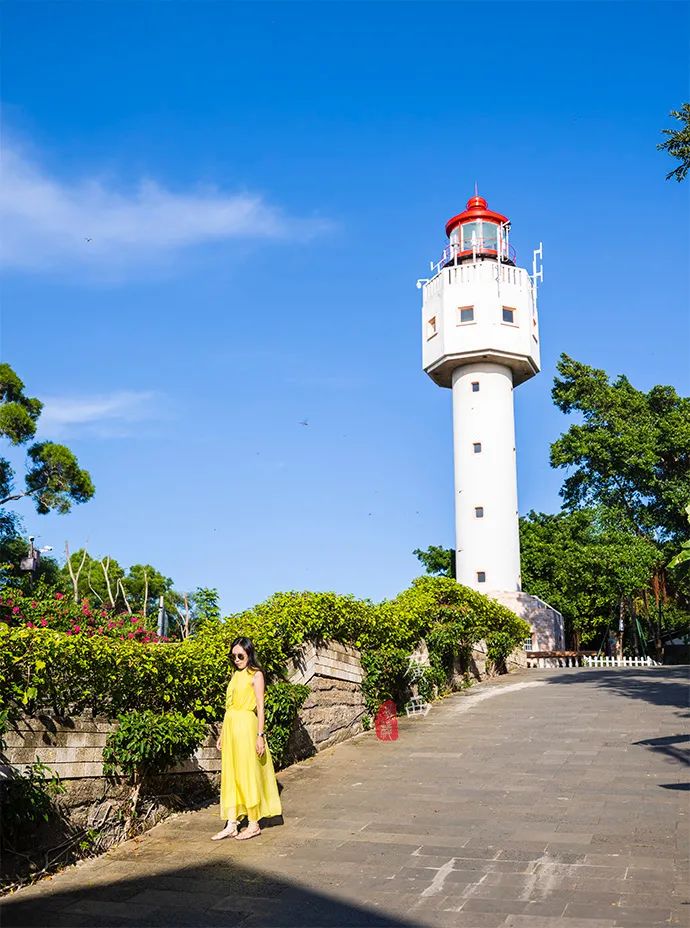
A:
(554, 799)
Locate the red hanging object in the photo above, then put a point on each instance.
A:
(386, 722)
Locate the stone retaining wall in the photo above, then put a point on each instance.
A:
(73, 747)
(334, 708)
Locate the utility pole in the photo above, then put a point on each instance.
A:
(162, 623)
(621, 628)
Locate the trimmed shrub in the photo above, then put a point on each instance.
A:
(41, 668)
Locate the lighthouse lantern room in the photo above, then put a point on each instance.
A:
(479, 231)
(480, 338)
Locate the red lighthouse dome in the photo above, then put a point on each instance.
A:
(479, 230)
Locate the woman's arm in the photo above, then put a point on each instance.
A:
(219, 739)
(259, 688)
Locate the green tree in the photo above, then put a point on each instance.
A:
(205, 608)
(437, 560)
(104, 582)
(628, 457)
(588, 568)
(677, 143)
(683, 555)
(144, 585)
(53, 478)
(630, 454)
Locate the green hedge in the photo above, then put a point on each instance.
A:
(42, 668)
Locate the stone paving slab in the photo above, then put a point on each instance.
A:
(557, 799)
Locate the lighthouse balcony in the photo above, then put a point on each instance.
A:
(458, 253)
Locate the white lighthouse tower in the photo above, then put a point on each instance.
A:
(480, 338)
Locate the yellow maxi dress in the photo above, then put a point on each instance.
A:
(247, 782)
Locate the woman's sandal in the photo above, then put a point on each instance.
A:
(225, 833)
(247, 834)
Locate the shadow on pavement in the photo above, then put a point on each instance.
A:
(668, 746)
(661, 686)
(212, 895)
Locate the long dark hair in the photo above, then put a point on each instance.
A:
(248, 646)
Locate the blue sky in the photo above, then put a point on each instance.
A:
(262, 185)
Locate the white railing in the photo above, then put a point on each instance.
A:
(454, 250)
(552, 662)
(620, 662)
(417, 706)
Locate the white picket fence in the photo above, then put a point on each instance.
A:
(619, 662)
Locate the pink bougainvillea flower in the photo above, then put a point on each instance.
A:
(30, 625)
(104, 614)
(76, 629)
(15, 610)
(44, 622)
(130, 635)
(33, 603)
(59, 596)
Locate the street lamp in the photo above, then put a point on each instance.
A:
(32, 560)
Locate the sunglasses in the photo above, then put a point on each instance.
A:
(238, 657)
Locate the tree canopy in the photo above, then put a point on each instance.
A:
(104, 582)
(629, 454)
(583, 565)
(53, 479)
(677, 143)
(437, 560)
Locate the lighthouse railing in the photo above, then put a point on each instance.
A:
(454, 250)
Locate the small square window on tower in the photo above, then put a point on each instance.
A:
(465, 314)
(431, 328)
(481, 576)
(475, 386)
(479, 512)
(509, 314)
(477, 447)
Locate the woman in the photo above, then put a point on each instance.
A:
(247, 781)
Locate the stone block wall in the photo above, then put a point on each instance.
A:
(334, 709)
(73, 747)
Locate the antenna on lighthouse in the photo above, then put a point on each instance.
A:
(537, 269)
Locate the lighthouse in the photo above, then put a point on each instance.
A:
(480, 339)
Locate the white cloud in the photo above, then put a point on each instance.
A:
(108, 415)
(50, 224)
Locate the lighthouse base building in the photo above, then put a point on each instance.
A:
(546, 623)
(480, 339)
